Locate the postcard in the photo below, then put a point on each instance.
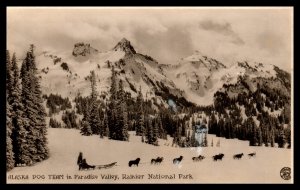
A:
(149, 95)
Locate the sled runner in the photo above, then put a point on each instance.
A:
(106, 166)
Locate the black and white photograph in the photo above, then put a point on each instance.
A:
(129, 95)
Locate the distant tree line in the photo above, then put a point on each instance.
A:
(121, 113)
(56, 103)
(244, 115)
(53, 123)
(68, 118)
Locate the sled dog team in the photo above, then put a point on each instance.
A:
(83, 165)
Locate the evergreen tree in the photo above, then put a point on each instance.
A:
(69, 118)
(183, 130)
(122, 122)
(272, 137)
(220, 128)
(288, 136)
(104, 130)
(148, 130)
(41, 140)
(85, 128)
(193, 121)
(54, 124)
(94, 119)
(94, 93)
(112, 111)
(204, 120)
(73, 117)
(161, 131)
(14, 88)
(34, 111)
(226, 130)
(40, 124)
(281, 139)
(140, 125)
(18, 133)
(259, 136)
(151, 131)
(267, 138)
(250, 124)
(210, 126)
(178, 131)
(9, 79)
(205, 143)
(20, 145)
(10, 162)
(188, 139)
(155, 133)
(194, 142)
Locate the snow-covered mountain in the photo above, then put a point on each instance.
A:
(195, 75)
(67, 73)
(200, 77)
(193, 79)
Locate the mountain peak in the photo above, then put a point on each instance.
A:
(83, 49)
(125, 45)
(124, 40)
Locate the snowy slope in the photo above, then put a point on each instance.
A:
(200, 77)
(65, 145)
(193, 75)
(136, 70)
(69, 83)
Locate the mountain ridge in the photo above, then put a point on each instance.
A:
(195, 78)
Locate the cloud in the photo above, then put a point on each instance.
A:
(222, 28)
(167, 46)
(270, 42)
(165, 34)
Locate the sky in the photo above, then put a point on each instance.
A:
(166, 34)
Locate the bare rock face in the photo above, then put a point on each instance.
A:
(82, 49)
(124, 45)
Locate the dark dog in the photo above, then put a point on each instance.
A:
(199, 158)
(177, 160)
(158, 160)
(134, 162)
(153, 161)
(252, 154)
(85, 166)
(218, 157)
(238, 156)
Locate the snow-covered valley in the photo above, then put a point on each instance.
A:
(65, 145)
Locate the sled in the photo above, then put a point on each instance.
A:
(106, 166)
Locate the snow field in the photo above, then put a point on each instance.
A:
(65, 145)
